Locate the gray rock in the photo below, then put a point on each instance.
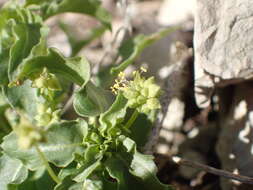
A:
(223, 45)
(235, 140)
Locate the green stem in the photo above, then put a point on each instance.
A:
(49, 169)
(132, 119)
(140, 46)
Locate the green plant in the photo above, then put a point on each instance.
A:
(41, 150)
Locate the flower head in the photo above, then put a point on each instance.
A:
(46, 80)
(27, 133)
(120, 83)
(141, 93)
(46, 115)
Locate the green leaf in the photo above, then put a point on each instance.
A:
(87, 185)
(104, 78)
(90, 100)
(24, 97)
(76, 186)
(117, 171)
(69, 170)
(114, 115)
(28, 54)
(92, 161)
(66, 174)
(131, 49)
(144, 167)
(141, 128)
(63, 140)
(89, 7)
(26, 36)
(20, 30)
(12, 171)
(93, 185)
(75, 69)
(37, 183)
(141, 166)
(66, 184)
(87, 171)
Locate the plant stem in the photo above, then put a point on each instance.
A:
(49, 169)
(132, 119)
(140, 46)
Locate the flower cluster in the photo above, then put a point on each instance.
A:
(46, 115)
(47, 84)
(27, 133)
(120, 83)
(141, 93)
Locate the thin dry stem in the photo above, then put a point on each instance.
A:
(215, 171)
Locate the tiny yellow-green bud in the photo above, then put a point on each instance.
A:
(27, 134)
(145, 92)
(46, 80)
(130, 93)
(153, 103)
(141, 99)
(153, 90)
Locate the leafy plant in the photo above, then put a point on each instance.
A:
(97, 150)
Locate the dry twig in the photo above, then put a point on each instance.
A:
(215, 171)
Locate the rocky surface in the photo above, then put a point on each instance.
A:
(223, 45)
(224, 63)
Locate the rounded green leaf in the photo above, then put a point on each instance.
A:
(91, 100)
(38, 180)
(12, 171)
(75, 69)
(24, 97)
(20, 30)
(63, 140)
(141, 166)
(115, 114)
(26, 36)
(119, 170)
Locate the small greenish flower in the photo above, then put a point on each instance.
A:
(47, 80)
(142, 93)
(46, 115)
(47, 83)
(27, 133)
(119, 83)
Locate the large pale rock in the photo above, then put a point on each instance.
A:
(223, 45)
